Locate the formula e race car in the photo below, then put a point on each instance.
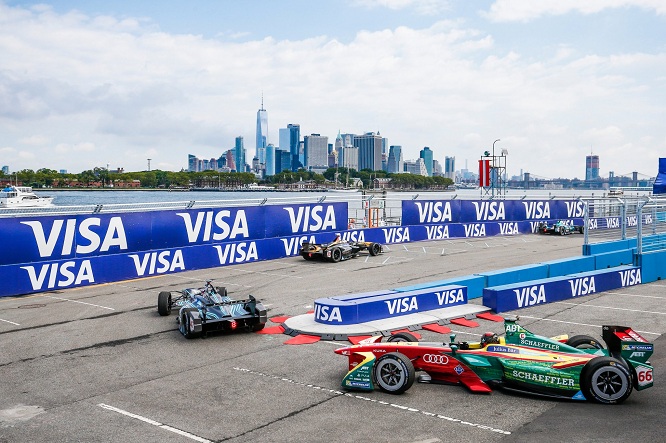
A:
(561, 227)
(338, 250)
(208, 309)
(577, 368)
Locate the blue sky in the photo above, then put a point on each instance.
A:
(91, 83)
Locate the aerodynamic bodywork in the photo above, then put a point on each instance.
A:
(207, 309)
(577, 368)
(338, 250)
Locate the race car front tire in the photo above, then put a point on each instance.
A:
(164, 303)
(375, 249)
(394, 373)
(402, 336)
(606, 380)
(584, 342)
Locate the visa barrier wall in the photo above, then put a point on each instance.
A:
(46, 252)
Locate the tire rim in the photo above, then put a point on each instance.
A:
(390, 375)
(609, 383)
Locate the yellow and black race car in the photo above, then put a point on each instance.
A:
(338, 250)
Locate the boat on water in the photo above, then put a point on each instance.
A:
(22, 197)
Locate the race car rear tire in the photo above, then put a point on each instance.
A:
(375, 249)
(394, 373)
(258, 327)
(402, 336)
(562, 230)
(186, 323)
(336, 255)
(584, 342)
(606, 380)
(164, 303)
(581, 229)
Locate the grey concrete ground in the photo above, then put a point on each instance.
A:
(99, 363)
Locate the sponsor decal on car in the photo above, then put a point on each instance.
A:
(493, 348)
(543, 378)
(436, 359)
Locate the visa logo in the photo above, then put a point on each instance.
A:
(630, 277)
(489, 210)
(508, 228)
(534, 226)
(353, 236)
(215, 225)
(59, 275)
(400, 305)
(475, 230)
(438, 232)
(538, 210)
(152, 263)
(582, 286)
(434, 212)
(311, 218)
(451, 296)
(95, 236)
(530, 296)
(613, 222)
(396, 235)
(327, 314)
(292, 246)
(237, 252)
(575, 209)
(592, 224)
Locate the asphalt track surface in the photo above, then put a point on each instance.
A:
(99, 363)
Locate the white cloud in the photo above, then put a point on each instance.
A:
(425, 7)
(80, 92)
(526, 10)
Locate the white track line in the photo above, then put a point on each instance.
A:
(636, 295)
(155, 423)
(80, 302)
(372, 400)
(580, 324)
(10, 322)
(611, 307)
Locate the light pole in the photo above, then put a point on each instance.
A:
(494, 174)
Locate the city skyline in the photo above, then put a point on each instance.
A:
(90, 84)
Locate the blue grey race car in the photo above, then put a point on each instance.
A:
(210, 309)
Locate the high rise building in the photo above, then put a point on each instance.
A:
(426, 155)
(262, 132)
(450, 168)
(416, 167)
(231, 163)
(239, 155)
(592, 167)
(315, 148)
(290, 142)
(395, 164)
(270, 160)
(369, 151)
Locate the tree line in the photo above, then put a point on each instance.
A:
(101, 177)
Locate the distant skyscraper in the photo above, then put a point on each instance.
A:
(450, 167)
(5, 170)
(426, 155)
(290, 142)
(395, 164)
(270, 160)
(231, 163)
(192, 163)
(239, 155)
(315, 148)
(262, 132)
(416, 167)
(369, 151)
(591, 167)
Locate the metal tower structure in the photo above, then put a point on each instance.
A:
(492, 173)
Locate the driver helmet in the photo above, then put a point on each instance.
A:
(488, 338)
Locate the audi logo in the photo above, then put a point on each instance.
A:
(436, 359)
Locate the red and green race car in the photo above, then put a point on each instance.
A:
(577, 368)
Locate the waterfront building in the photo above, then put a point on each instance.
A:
(395, 163)
(231, 163)
(591, 167)
(426, 155)
(270, 160)
(5, 170)
(350, 156)
(450, 168)
(369, 151)
(436, 168)
(239, 154)
(416, 167)
(315, 148)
